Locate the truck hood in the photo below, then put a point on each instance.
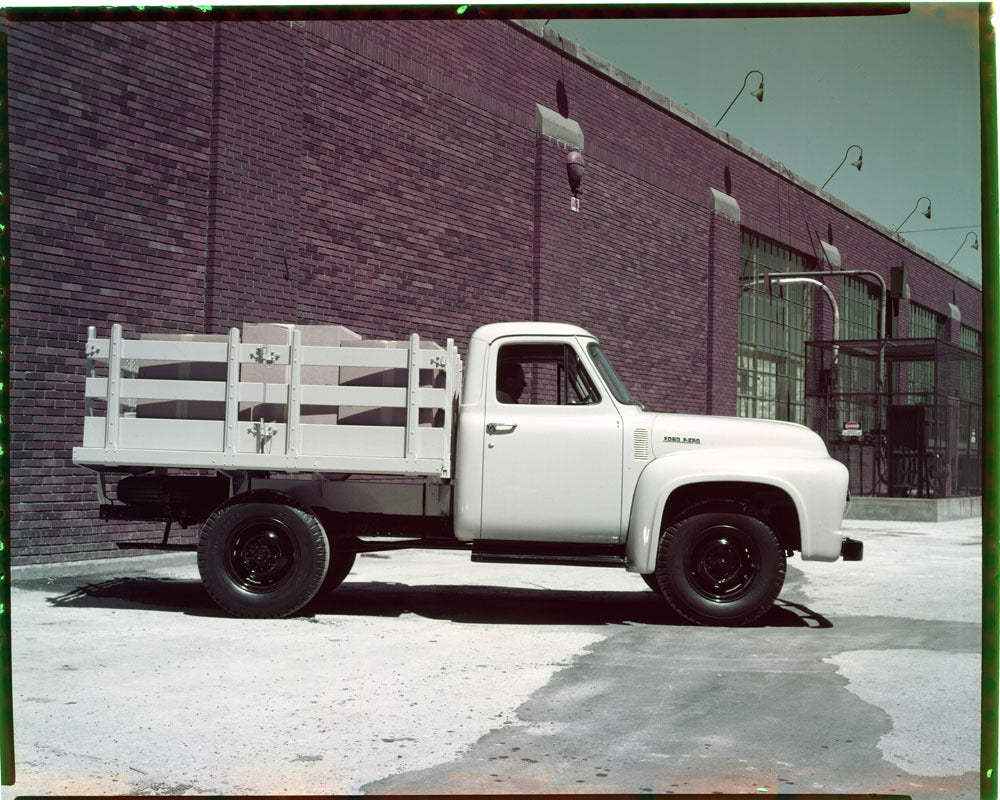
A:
(688, 433)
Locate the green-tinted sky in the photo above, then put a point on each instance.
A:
(905, 88)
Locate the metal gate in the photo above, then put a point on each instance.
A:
(905, 415)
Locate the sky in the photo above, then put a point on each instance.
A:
(903, 87)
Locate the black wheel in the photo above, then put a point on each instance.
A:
(341, 563)
(652, 583)
(720, 568)
(262, 559)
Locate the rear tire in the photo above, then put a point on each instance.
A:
(341, 564)
(720, 568)
(262, 559)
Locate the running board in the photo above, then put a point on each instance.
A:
(577, 555)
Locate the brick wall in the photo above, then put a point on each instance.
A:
(388, 176)
(109, 178)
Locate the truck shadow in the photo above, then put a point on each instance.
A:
(145, 593)
(528, 606)
(454, 603)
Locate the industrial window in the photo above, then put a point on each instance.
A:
(859, 319)
(773, 328)
(970, 372)
(971, 339)
(970, 416)
(924, 324)
(859, 309)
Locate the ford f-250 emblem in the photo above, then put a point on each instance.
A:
(682, 439)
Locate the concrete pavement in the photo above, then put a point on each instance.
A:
(426, 673)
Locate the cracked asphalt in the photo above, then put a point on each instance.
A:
(427, 674)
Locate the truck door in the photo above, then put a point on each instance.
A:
(552, 458)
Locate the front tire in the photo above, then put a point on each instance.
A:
(720, 568)
(260, 559)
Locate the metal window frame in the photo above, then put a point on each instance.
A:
(771, 332)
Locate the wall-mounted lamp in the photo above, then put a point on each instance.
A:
(926, 213)
(758, 92)
(861, 155)
(974, 245)
(575, 169)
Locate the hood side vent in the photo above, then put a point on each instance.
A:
(640, 444)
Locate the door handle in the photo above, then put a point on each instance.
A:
(496, 428)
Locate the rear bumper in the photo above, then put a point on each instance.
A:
(851, 549)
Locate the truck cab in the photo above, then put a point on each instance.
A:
(553, 450)
(544, 463)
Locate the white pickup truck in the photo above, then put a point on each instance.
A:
(540, 456)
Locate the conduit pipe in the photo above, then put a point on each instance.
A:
(782, 279)
(839, 273)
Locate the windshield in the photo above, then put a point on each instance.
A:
(611, 379)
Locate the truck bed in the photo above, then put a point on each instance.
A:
(285, 438)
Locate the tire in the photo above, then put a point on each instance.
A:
(260, 559)
(720, 568)
(652, 583)
(341, 563)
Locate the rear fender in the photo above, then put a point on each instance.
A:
(265, 496)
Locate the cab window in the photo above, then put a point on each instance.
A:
(544, 375)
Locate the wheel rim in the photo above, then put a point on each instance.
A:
(723, 564)
(261, 555)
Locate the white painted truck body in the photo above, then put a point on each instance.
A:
(234, 442)
(589, 474)
(604, 472)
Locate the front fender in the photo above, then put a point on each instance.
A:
(817, 488)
